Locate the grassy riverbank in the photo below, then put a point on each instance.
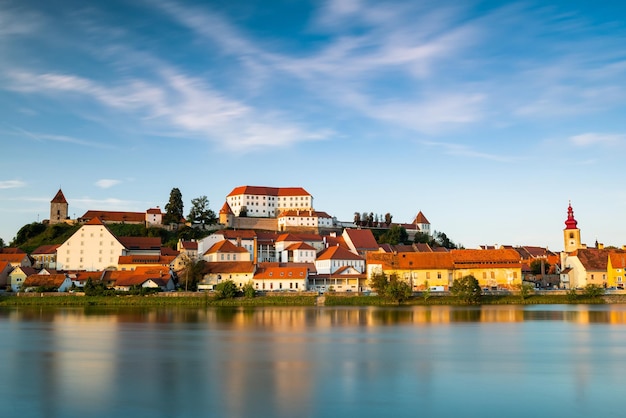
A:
(203, 300)
(155, 300)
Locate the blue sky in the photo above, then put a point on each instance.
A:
(486, 116)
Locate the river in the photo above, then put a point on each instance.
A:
(442, 361)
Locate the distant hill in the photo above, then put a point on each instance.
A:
(34, 235)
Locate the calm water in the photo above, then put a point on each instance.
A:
(545, 361)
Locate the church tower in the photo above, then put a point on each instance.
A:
(571, 233)
(58, 208)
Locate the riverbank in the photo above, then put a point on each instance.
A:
(309, 299)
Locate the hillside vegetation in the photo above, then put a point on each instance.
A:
(34, 235)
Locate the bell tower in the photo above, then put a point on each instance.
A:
(58, 208)
(571, 233)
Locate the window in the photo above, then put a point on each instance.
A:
(439, 275)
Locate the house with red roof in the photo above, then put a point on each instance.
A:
(45, 256)
(60, 282)
(273, 277)
(304, 219)
(240, 272)
(94, 247)
(298, 252)
(333, 258)
(148, 277)
(360, 241)
(5, 270)
(286, 240)
(226, 251)
(151, 217)
(16, 258)
(17, 276)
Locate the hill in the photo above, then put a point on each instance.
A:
(33, 235)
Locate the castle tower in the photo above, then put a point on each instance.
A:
(571, 233)
(226, 215)
(58, 208)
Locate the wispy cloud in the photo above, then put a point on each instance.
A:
(107, 183)
(41, 137)
(11, 184)
(593, 138)
(465, 151)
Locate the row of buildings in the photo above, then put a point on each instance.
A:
(291, 247)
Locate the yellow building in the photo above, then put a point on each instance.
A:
(500, 268)
(616, 270)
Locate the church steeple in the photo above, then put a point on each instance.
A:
(571, 233)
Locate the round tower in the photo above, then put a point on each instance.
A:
(226, 215)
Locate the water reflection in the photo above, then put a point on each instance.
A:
(312, 362)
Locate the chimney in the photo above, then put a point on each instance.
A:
(255, 251)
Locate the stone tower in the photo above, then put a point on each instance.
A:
(226, 215)
(571, 233)
(58, 208)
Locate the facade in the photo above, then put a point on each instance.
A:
(300, 252)
(226, 251)
(260, 201)
(45, 256)
(304, 219)
(494, 269)
(240, 272)
(275, 278)
(334, 258)
(59, 281)
(147, 277)
(154, 217)
(285, 241)
(17, 276)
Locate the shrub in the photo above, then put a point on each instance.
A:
(593, 291)
(226, 290)
(467, 289)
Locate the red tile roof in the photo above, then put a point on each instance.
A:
(618, 259)
(169, 251)
(500, 257)
(225, 247)
(238, 233)
(268, 191)
(141, 243)
(58, 198)
(338, 253)
(13, 258)
(136, 277)
(146, 259)
(304, 214)
(190, 245)
(36, 280)
(299, 237)
(154, 211)
(410, 261)
(113, 216)
(4, 265)
(46, 249)
(420, 219)
(225, 267)
(226, 210)
(362, 239)
(593, 258)
(11, 250)
(299, 246)
(287, 273)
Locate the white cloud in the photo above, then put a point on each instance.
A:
(107, 183)
(592, 138)
(465, 151)
(11, 184)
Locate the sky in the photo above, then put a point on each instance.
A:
(487, 116)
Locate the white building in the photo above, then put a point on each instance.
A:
(258, 201)
(334, 258)
(304, 218)
(94, 247)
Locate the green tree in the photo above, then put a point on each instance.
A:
(526, 290)
(226, 289)
(535, 266)
(390, 288)
(426, 293)
(174, 208)
(27, 232)
(421, 237)
(467, 289)
(248, 289)
(357, 218)
(442, 240)
(191, 274)
(388, 218)
(243, 212)
(394, 235)
(593, 291)
(1, 243)
(397, 290)
(200, 212)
